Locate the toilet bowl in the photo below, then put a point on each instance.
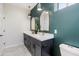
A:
(67, 50)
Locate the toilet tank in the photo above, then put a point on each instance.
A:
(67, 50)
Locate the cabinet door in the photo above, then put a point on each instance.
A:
(37, 50)
(44, 53)
(29, 44)
(47, 47)
(25, 40)
(33, 48)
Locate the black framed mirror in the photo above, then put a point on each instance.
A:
(44, 21)
(35, 24)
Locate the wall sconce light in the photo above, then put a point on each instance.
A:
(39, 7)
(29, 11)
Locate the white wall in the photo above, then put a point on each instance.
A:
(1, 18)
(1, 25)
(16, 22)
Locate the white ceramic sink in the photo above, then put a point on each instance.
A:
(40, 36)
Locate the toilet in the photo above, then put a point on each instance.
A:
(67, 50)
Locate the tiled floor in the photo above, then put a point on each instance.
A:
(16, 51)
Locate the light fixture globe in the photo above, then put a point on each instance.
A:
(39, 7)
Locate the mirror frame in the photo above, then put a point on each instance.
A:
(35, 24)
(48, 25)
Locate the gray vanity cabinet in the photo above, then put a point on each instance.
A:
(27, 42)
(38, 48)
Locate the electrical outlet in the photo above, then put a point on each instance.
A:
(55, 31)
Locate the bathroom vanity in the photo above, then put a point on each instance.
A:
(39, 44)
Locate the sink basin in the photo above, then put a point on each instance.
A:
(41, 36)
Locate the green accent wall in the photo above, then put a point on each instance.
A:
(66, 21)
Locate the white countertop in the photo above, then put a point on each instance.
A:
(40, 35)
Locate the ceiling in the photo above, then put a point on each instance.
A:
(24, 5)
